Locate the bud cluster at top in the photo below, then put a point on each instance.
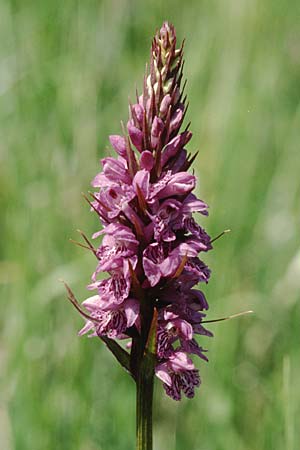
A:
(151, 242)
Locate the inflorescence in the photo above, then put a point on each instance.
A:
(151, 241)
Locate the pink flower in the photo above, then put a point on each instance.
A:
(178, 375)
(112, 322)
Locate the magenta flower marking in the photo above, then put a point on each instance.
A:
(151, 241)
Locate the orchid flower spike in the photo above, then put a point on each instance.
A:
(152, 245)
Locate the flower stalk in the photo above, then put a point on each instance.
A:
(144, 389)
(144, 402)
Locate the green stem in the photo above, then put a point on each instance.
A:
(143, 358)
(144, 401)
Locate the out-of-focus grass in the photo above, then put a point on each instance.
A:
(66, 71)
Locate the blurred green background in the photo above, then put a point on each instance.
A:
(66, 70)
